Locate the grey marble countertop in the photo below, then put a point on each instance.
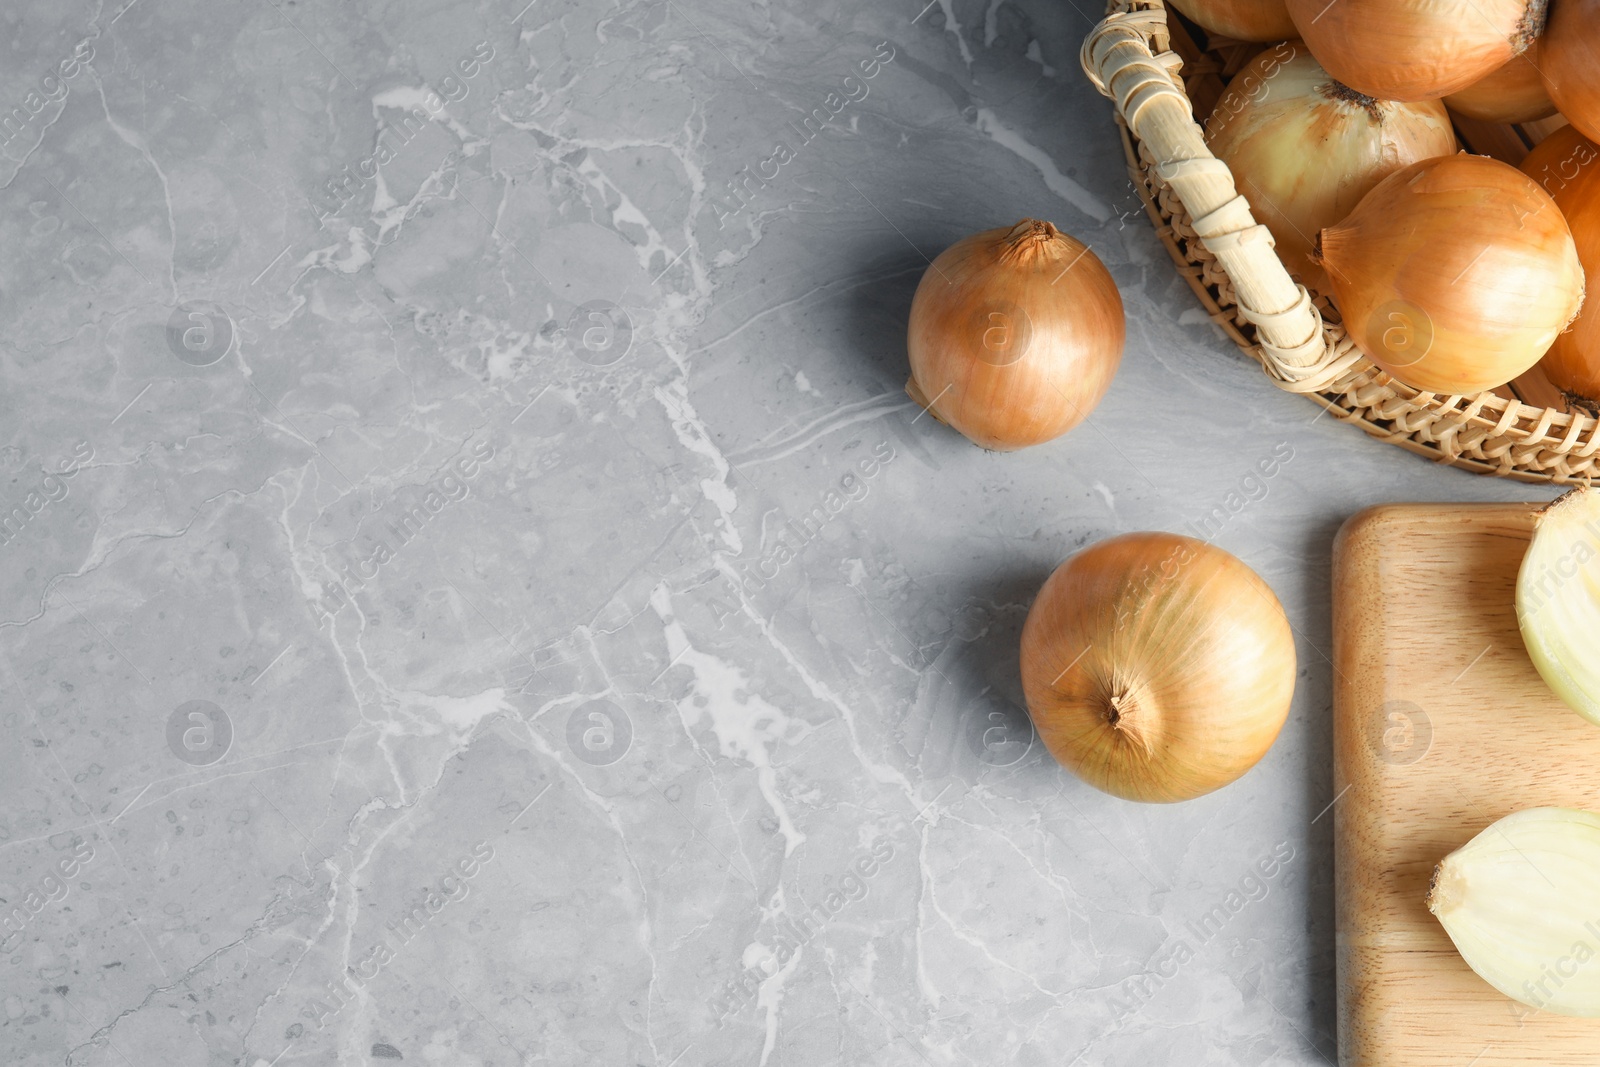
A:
(412, 648)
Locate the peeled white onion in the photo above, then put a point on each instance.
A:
(1558, 600)
(1519, 902)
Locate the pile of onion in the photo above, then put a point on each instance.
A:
(1416, 49)
(1157, 667)
(1304, 149)
(1243, 20)
(1567, 166)
(1455, 275)
(1015, 335)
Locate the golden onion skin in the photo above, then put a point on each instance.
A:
(1513, 94)
(1567, 166)
(1015, 335)
(1416, 49)
(1305, 149)
(1157, 667)
(1455, 275)
(1243, 20)
(1559, 160)
(1569, 58)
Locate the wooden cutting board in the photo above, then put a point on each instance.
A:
(1441, 726)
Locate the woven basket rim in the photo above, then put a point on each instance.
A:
(1486, 433)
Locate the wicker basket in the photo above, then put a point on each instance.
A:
(1159, 80)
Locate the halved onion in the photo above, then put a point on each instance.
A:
(1558, 600)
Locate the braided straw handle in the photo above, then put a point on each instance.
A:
(1117, 58)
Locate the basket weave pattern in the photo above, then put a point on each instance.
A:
(1299, 343)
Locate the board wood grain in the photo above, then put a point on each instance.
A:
(1441, 726)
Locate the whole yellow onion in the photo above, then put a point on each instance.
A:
(1562, 163)
(1305, 149)
(1567, 166)
(1455, 274)
(1515, 93)
(1015, 335)
(1569, 58)
(1416, 49)
(1157, 667)
(1243, 20)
